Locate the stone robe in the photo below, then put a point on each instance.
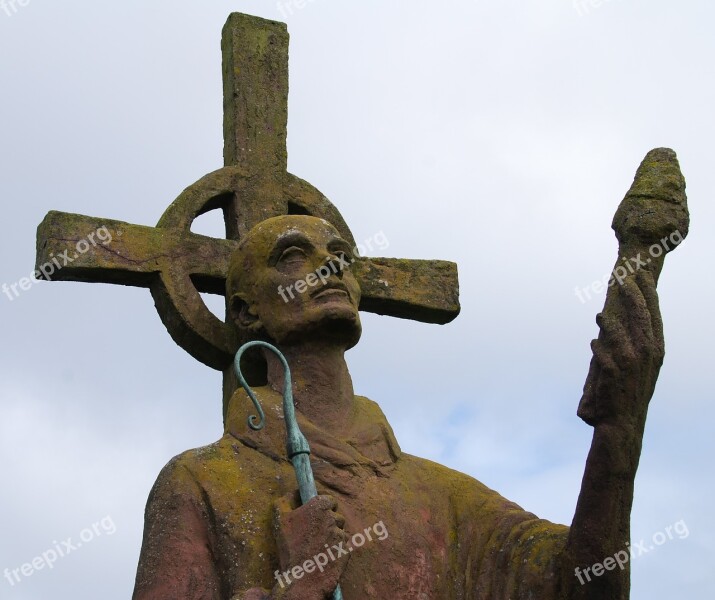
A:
(209, 523)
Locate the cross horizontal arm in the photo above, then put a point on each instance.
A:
(420, 290)
(176, 264)
(96, 250)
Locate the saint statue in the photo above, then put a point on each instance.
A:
(224, 521)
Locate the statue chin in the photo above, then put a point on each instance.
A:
(334, 329)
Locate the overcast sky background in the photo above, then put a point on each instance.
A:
(500, 135)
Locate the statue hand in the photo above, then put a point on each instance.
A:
(627, 355)
(655, 208)
(310, 542)
(651, 221)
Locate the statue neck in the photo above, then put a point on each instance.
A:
(322, 386)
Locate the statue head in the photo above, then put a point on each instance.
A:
(289, 281)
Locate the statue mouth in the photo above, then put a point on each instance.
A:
(330, 290)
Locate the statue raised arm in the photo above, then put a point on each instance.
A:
(650, 222)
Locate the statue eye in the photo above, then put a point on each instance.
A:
(292, 256)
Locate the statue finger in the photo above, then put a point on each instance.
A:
(339, 520)
(603, 356)
(647, 285)
(614, 342)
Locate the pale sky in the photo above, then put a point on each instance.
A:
(499, 135)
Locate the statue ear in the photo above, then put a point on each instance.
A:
(242, 315)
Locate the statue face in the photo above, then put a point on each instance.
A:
(291, 279)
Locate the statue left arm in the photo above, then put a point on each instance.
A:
(176, 558)
(650, 222)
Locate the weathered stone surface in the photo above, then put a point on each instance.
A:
(255, 94)
(422, 290)
(212, 526)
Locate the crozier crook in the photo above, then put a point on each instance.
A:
(296, 444)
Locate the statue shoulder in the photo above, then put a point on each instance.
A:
(184, 471)
(463, 490)
(370, 409)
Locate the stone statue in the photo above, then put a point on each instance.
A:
(224, 521)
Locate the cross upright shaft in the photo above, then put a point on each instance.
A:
(255, 125)
(255, 94)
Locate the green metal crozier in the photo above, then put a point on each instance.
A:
(296, 444)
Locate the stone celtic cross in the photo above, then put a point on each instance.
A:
(177, 265)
